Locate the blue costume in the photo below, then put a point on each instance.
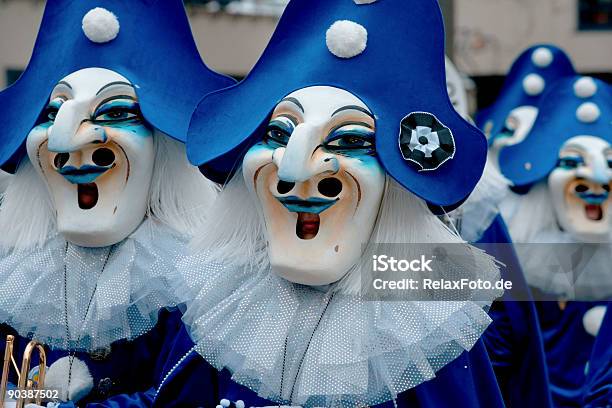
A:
(44, 289)
(598, 390)
(124, 375)
(568, 349)
(468, 382)
(513, 340)
(578, 109)
(260, 339)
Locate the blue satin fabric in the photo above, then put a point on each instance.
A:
(513, 340)
(568, 349)
(134, 368)
(468, 381)
(598, 390)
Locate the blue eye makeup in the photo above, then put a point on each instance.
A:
(505, 132)
(279, 131)
(570, 162)
(52, 109)
(118, 110)
(353, 137)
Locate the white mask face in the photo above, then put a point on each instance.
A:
(319, 183)
(518, 125)
(95, 152)
(580, 188)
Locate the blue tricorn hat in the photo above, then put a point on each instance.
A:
(534, 71)
(574, 106)
(147, 41)
(390, 54)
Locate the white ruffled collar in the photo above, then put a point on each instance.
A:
(114, 293)
(556, 264)
(325, 348)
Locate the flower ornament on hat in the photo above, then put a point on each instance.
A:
(103, 198)
(425, 141)
(510, 118)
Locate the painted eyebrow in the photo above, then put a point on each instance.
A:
(293, 101)
(367, 125)
(354, 107)
(66, 84)
(292, 118)
(574, 147)
(113, 84)
(112, 98)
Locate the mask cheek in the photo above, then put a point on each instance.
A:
(128, 181)
(558, 184)
(34, 143)
(256, 160)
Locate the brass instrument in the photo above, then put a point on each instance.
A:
(24, 383)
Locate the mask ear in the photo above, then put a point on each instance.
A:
(425, 141)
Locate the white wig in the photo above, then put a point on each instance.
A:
(179, 198)
(236, 235)
(532, 215)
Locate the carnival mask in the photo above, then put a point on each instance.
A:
(518, 125)
(96, 153)
(319, 183)
(580, 188)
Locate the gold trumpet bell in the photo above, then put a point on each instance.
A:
(24, 384)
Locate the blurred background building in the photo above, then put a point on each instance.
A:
(483, 36)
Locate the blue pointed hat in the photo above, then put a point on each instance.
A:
(574, 106)
(536, 69)
(147, 41)
(390, 54)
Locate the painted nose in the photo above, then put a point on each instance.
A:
(598, 172)
(303, 159)
(71, 130)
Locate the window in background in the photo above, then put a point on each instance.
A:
(12, 75)
(246, 7)
(595, 14)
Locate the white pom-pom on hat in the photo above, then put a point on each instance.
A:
(533, 84)
(593, 319)
(364, 1)
(346, 39)
(100, 25)
(542, 57)
(585, 87)
(588, 112)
